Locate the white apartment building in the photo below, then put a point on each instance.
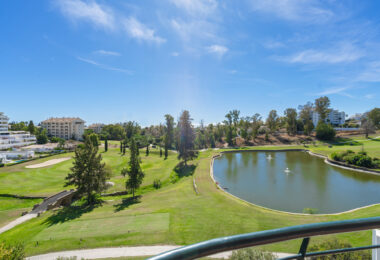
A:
(335, 117)
(97, 128)
(13, 139)
(64, 127)
(3, 122)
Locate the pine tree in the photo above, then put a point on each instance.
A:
(88, 174)
(106, 145)
(169, 134)
(160, 151)
(135, 174)
(147, 150)
(121, 146)
(31, 127)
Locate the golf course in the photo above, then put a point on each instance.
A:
(174, 214)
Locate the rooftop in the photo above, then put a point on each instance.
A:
(62, 119)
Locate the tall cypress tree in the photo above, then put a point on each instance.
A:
(106, 145)
(186, 140)
(147, 150)
(134, 172)
(169, 133)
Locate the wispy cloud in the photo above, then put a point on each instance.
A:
(369, 96)
(103, 66)
(335, 90)
(174, 54)
(107, 53)
(98, 15)
(342, 53)
(218, 50)
(371, 73)
(294, 10)
(140, 31)
(273, 44)
(196, 7)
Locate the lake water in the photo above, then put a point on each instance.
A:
(308, 183)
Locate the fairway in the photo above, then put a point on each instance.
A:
(111, 226)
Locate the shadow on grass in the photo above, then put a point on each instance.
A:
(71, 213)
(126, 202)
(183, 170)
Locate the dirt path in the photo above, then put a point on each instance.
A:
(48, 163)
(122, 251)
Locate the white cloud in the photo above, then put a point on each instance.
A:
(369, 96)
(107, 53)
(273, 45)
(102, 66)
(342, 53)
(139, 31)
(336, 90)
(371, 73)
(98, 15)
(294, 10)
(219, 50)
(196, 7)
(175, 54)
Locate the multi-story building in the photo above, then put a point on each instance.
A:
(335, 117)
(64, 127)
(97, 128)
(13, 139)
(3, 122)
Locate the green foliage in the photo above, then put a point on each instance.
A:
(19, 126)
(272, 121)
(113, 132)
(325, 132)
(337, 244)
(310, 211)
(135, 174)
(322, 105)
(374, 116)
(31, 127)
(106, 145)
(157, 183)
(147, 150)
(94, 139)
(186, 137)
(291, 121)
(360, 159)
(41, 136)
(161, 153)
(169, 133)
(11, 251)
(89, 174)
(251, 254)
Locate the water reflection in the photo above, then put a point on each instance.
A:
(311, 183)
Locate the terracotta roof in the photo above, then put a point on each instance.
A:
(62, 119)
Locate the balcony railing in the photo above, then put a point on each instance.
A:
(222, 244)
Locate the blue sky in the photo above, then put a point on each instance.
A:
(119, 60)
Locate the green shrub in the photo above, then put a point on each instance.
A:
(310, 211)
(251, 254)
(11, 252)
(365, 161)
(2, 164)
(325, 132)
(157, 184)
(336, 244)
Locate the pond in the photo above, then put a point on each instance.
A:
(293, 181)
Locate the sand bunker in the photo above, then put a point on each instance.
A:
(48, 163)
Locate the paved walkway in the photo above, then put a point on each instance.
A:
(34, 213)
(120, 252)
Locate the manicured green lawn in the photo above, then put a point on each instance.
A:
(174, 214)
(50, 180)
(11, 208)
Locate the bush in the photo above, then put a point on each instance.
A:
(2, 164)
(11, 252)
(251, 254)
(310, 211)
(360, 159)
(325, 132)
(157, 184)
(336, 244)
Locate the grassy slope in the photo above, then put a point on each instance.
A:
(11, 208)
(171, 215)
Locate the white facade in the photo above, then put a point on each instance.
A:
(3, 122)
(97, 128)
(65, 127)
(14, 155)
(335, 117)
(13, 139)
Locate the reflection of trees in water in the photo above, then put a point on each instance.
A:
(245, 157)
(232, 166)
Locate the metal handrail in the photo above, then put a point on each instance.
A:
(228, 243)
